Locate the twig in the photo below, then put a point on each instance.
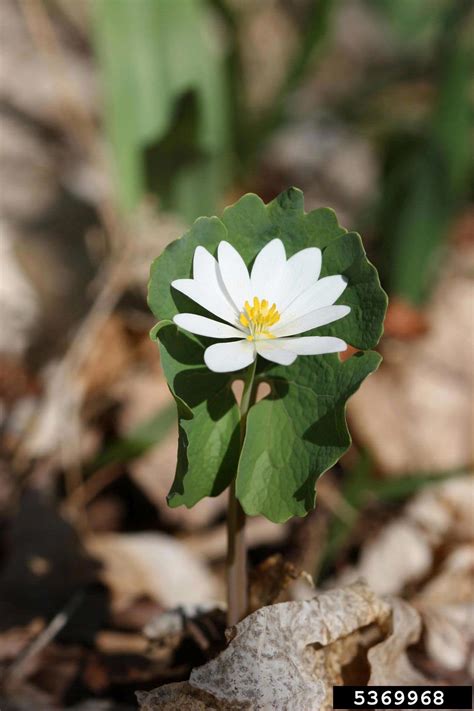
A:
(16, 671)
(330, 496)
(91, 487)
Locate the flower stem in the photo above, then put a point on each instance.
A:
(236, 565)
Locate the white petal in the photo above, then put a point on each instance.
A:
(312, 345)
(227, 357)
(302, 270)
(205, 288)
(270, 351)
(234, 274)
(202, 326)
(313, 319)
(268, 271)
(206, 272)
(323, 293)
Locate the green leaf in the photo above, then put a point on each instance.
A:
(297, 433)
(308, 399)
(363, 327)
(209, 421)
(166, 101)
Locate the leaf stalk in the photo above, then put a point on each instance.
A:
(236, 564)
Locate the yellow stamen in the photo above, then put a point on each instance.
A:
(258, 318)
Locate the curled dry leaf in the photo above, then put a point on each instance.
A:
(270, 661)
(287, 657)
(423, 415)
(389, 664)
(151, 565)
(399, 555)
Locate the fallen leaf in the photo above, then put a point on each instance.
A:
(388, 660)
(426, 553)
(288, 657)
(184, 697)
(272, 657)
(399, 555)
(403, 551)
(151, 565)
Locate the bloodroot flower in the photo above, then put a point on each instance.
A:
(264, 310)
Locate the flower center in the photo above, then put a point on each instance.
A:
(259, 318)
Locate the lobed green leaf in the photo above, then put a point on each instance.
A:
(299, 431)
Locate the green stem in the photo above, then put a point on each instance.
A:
(236, 565)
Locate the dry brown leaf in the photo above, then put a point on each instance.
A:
(388, 660)
(415, 412)
(432, 534)
(272, 658)
(184, 697)
(152, 565)
(403, 552)
(287, 657)
(397, 556)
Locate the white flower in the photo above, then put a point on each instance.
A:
(279, 299)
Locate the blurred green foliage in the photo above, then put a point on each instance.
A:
(427, 166)
(166, 102)
(173, 98)
(137, 442)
